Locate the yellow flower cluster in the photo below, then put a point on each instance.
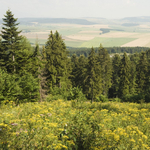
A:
(59, 125)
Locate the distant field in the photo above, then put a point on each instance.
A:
(107, 42)
(90, 35)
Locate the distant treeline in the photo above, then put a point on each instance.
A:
(106, 30)
(111, 50)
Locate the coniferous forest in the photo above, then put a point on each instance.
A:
(52, 98)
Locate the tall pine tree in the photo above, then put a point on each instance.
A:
(114, 91)
(56, 61)
(10, 40)
(142, 73)
(93, 76)
(124, 74)
(106, 69)
(79, 72)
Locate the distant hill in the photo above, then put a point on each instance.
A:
(130, 24)
(132, 21)
(137, 19)
(30, 21)
(55, 20)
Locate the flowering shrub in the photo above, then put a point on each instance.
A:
(63, 125)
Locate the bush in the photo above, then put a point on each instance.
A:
(133, 98)
(102, 98)
(75, 94)
(116, 99)
(53, 97)
(18, 88)
(70, 94)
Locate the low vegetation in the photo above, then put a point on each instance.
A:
(74, 125)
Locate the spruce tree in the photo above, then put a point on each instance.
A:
(116, 60)
(10, 40)
(56, 57)
(42, 76)
(93, 76)
(142, 73)
(124, 74)
(20, 61)
(74, 66)
(133, 85)
(2, 55)
(80, 72)
(106, 69)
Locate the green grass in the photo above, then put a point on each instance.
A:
(70, 31)
(107, 42)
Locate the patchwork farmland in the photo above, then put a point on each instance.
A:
(78, 35)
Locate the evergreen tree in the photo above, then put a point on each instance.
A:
(22, 57)
(124, 74)
(142, 73)
(115, 76)
(133, 85)
(80, 72)
(10, 40)
(106, 69)
(93, 76)
(74, 65)
(21, 63)
(148, 54)
(2, 55)
(56, 57)
(42, 76)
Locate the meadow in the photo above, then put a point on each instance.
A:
(70, 125)
(76, 35)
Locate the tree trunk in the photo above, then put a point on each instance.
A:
(14, 61)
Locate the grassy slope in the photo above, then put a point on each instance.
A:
(68, 124)
(107, 42)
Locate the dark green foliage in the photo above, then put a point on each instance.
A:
(9, 89)
(79, 70)
(104, 30)
(142, 73)
(102, 98)
(93, 77)
(10, 40)
(114, 90)
(19, 81)
(106, 69)
(133, 98)
(110, 50)
(74, 65)
(76, 94)
(56, 61)
(2, 55)
(124, 74)
(133, 61)
(18, 89)
(29, 88)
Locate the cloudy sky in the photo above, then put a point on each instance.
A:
(76, 8)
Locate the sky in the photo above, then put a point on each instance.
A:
(110, 9)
